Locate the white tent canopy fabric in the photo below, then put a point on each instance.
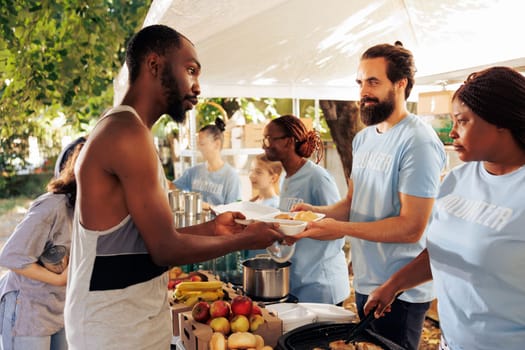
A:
(310, 48)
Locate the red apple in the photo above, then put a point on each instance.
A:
(196, 278)
(241, 305)
(256, 310)
(201, 312)
(220, 308)
(220, 324)
(240, 323)
(172, 284)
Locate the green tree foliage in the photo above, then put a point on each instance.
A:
(58, 60)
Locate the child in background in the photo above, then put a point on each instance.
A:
(264, 176)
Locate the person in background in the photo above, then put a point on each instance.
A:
(124, 235)
(34, 289)
(215, 179)
(475, 239)
(66, 153)
(264, 176)
(397, 161)
(318, 271)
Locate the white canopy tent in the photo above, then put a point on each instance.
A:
(311, 48)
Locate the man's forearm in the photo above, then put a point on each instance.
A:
(413, 274)
(203, 229)
(338, 211)
(395, 229)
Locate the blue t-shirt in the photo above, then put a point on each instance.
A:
(319, 271)
(270, 202)
(408, 158)
(476, 244)
(216, 187)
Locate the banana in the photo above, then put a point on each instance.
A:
(192, 300)
(211, 296)
(199, 286)
(177, 294)
(191, 292)
(180, 295)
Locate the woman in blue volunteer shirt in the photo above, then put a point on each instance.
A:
(216, 180)
(319, 271)
(476, 240)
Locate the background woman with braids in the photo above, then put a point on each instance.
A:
(216, 180)
(476, 237)
(318, 270)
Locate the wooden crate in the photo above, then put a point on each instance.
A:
(196, 336)
(177, 308)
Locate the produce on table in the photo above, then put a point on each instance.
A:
(243, 315)
(256, 310)
(241, 305)
(201, 312)
(255, 322)
(190, 293)
(237, 341)
(240, 323)
(220, 308)
(220, 324)
(218, 341)
(176, 276)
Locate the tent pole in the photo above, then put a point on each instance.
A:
(317, 116)
(296, 107)
(193, 135)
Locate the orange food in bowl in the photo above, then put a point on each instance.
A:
(305, 216)
(283, 216)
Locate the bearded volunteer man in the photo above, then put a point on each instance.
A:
(124, 236)
(396, 167)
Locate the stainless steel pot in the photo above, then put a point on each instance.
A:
(265, 279)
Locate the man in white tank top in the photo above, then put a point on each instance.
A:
(124, 237)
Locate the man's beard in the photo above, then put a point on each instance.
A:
(175, 108)
(379, 112)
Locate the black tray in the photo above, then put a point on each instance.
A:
(320, 334)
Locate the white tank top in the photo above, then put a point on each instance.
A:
(116, 296)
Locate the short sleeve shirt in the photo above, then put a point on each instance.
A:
(408, 159)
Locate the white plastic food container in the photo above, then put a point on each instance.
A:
(293, 315)
(296, 315)
(328, 312)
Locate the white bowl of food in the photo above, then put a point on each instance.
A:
(292, 217)
(293, 228)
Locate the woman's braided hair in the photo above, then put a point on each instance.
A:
(497, 95)
(306, 141)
